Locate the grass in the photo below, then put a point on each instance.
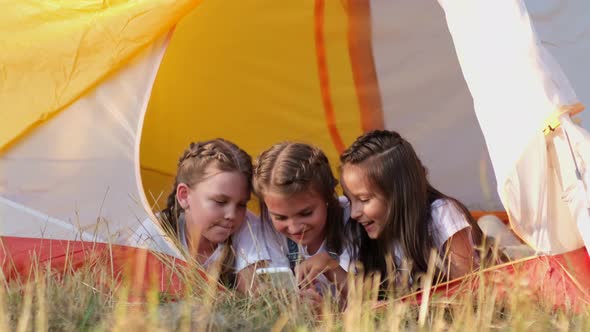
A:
(88, 299)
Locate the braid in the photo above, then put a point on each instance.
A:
(290, 168)
(192, 168)
(370, 144)
(171, 212)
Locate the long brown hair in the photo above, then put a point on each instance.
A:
(393, 167)
(225, 156)
(289, 168)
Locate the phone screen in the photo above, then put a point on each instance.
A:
(278, 277)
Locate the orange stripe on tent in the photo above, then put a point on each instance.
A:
(502, 215)
(360, 50)
(324, 76)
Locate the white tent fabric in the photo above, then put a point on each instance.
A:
(563, 28)
(94, 177)
(575, 179)
(516, 86)
(425, 98)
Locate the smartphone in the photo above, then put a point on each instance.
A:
(278, 277)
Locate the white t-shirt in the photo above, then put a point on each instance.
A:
(152, 236)
(263, 243)
(447, 220)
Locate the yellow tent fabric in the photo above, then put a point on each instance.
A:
(54, 51)
(254, 63)
(72, 46)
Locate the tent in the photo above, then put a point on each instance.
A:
(98, 99)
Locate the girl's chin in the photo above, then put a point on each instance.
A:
(218, 238)
(298, 238)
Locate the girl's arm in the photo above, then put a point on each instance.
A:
(452, 236)
(460, 254)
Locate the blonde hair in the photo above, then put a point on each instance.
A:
(192, 166)
(289, 168)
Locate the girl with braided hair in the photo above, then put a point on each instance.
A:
(206, 207)
(397, 213)
(302, 216)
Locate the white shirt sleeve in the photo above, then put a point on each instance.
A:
(249, 243)
(447, 220)
(151, 236)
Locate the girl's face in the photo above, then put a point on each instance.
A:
(368, 208)
(300, 217)
(215, 207)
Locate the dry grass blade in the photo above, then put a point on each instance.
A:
(88, 299)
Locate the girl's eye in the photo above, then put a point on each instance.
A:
(306, 213)
(219, 201)
(243, 205)
(279, 218)
(364, 200)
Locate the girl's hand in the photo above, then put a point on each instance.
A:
(308, 270)
(313, 297)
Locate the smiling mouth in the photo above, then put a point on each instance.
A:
(297, 236)
(367, 224)
(228, 227)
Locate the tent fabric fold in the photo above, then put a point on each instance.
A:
(55, 51)
(516, 85)
(77, 176)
